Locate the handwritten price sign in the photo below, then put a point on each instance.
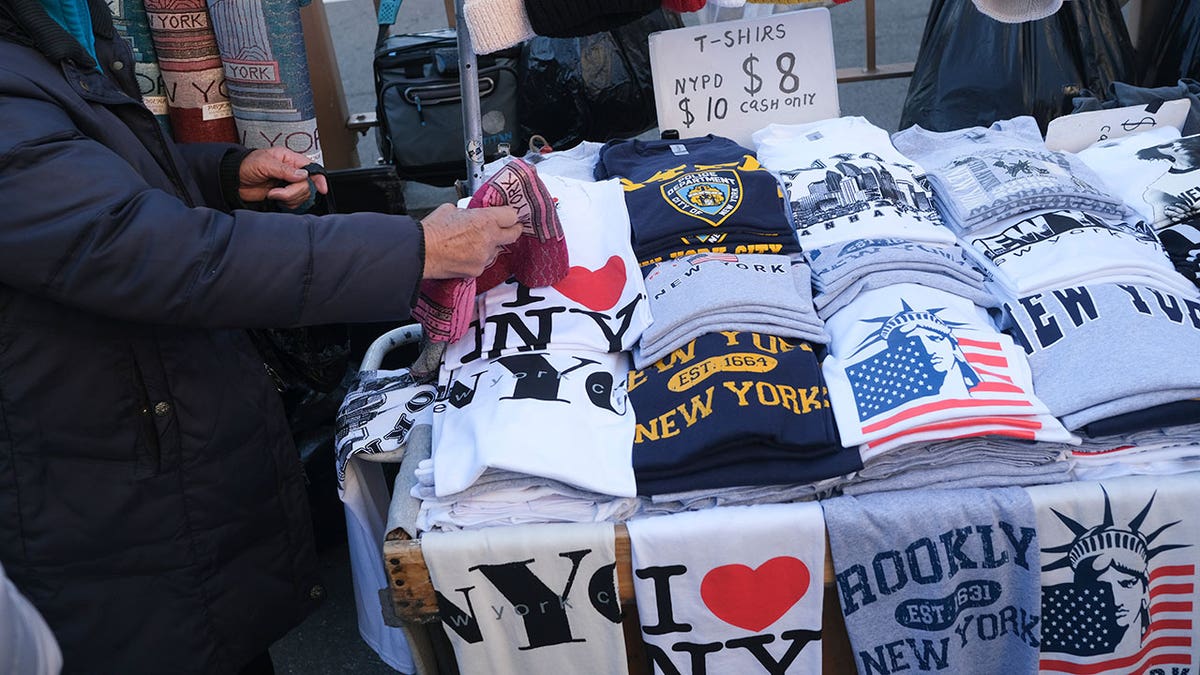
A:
(1076, 132)
(734, 78)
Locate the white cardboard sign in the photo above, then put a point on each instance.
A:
(734, 78)
(1073, 133)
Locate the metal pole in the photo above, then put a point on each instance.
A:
(469, 86)
(870, 10)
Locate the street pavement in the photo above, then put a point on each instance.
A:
(328, 642)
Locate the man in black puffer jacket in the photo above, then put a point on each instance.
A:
(152, 506)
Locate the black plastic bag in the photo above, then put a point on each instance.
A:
(591, 88)
(973, 70)
(1173, 52)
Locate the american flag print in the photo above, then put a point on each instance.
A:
(1119, 586)
(711, 257)
(892, 378)
(910, 363)
(886, 383)
(1082, 626)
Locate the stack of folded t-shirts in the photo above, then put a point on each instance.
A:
(982, 462)
(845, 181)
(1172, 448)
(841, 271)
(744, 495)
(981, 176)
(1101, 351)
(537, 366)
(1033, 219)
(1047, 250)
(734, 409)
(909, 364)
(708, 292)
(500, 497)
(1157, 173)
(697, 195)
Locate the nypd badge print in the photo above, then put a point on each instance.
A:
(711, 196)
(1119, 562)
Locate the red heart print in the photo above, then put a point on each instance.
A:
(755, 598)
(597, 290)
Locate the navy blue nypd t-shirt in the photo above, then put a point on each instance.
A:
(734, 409)
(698, 195)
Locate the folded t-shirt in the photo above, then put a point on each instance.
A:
(845, 181)
(905, 357)
(1107, 345)
(981, 175)
(734, 408)
(1045, 250)
(1156, 172)
(562, 415)
(705, 194)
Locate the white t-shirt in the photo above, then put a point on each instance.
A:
(1153, 172)
(529, 600)
(845, 181)
(907, 356)
(375, 420)
(578, 162)
(561, 415)
(1119, 565)
(729, 578)
(600, 305)
(1047, 250)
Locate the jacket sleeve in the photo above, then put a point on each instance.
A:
(205, 162)
(81, 227)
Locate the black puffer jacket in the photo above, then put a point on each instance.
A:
(151, 502)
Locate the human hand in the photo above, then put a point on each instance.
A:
(1177, 211)
(277, 174)
(462, 243)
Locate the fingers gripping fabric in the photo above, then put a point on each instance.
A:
(538, 257)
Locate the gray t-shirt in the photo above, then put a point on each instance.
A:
(955, 590)
(981, 175)
(1111, 348)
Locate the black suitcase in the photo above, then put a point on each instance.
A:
(419, 105)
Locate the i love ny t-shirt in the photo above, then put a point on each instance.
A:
(601, 304)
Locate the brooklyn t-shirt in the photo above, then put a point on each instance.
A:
(939, 580)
